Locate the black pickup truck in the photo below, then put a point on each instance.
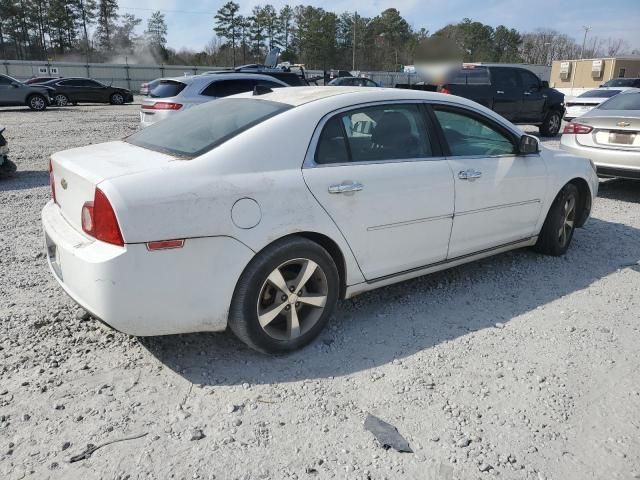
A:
(515, 93)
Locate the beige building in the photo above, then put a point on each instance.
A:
(592, 72)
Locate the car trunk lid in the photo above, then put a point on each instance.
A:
(78, 171)
(615, 130)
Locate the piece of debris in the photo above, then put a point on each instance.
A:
(386, 434)
(92, 448)
(197, 434)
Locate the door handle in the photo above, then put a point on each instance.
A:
(346, 187)
(500, 92)
(470, 174)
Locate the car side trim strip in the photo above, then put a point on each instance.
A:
(498, 207)
(409, 222)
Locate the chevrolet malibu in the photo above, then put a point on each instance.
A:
(259, 212)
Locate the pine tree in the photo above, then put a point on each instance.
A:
(227, 25)
(107, 16)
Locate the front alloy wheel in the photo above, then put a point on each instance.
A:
(557, 230)
(61, 100)
(568, 221)
(285, 296)
(117, 99)
(37, 102)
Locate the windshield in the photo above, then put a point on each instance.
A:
(625, 101)
(599, 93)
(200, 129)
(620, 82)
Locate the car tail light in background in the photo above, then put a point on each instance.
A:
(162, 106)
(52, 182)
(99, 220)
(445, 90)
(577, 128)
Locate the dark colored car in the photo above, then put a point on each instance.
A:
(13, 93)
(86, 90)
(622, 82)
(515, 93)
(353, 82)
(39, 80)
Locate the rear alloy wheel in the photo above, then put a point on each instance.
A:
(37, 102)
(551, 125)
(285, 296)
(559, 225)
(61, 100)
(117, 99)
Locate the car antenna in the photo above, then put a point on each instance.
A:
(261, 90)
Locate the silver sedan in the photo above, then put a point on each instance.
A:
(609, 135)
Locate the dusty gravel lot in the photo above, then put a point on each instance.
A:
(516, 367)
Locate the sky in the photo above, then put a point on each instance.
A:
(190, 24)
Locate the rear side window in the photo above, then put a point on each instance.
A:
(386, 132)
(467, 135)
(470, 76)
(225, 88)
(624, 101)
(166, 88)
(202, 128)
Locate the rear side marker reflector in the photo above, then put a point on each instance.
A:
(162, 106)
(165, 244)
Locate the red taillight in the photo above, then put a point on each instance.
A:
(162, 106)
(52, 182)
(99, 220)
(577, 128)
(445, 90)
(165, 244)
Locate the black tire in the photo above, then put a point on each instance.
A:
(552, 240)
(7, 168)
(61, 100)
(116, 99)
(250, 293)
(37, 102)
(551, 125)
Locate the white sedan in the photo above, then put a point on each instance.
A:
(260, 212)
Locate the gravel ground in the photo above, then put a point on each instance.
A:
(518, 367)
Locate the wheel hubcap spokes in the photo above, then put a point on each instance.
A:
(292, 299)
(568, 220)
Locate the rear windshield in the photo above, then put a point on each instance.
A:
(624, 101)
(202, 128)
(621, 82)
(165, 88)
(599, 93)
(470, 76)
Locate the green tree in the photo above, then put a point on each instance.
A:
(107, 16)
(285, 20)
(156, 31)
(227, 25)
(124, 37)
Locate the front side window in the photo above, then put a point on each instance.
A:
(4, 80)
(202, 128)
(386, 132)
(529, 81)
(506, 79)
(466, 135)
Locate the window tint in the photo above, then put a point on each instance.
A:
(391, 132)
(506, 79)
(4, 80)
(224, 88)
(470, 76)
(529, 81)
(166, 88)
(624, 101)
(599, 93)
(91, 83)
(467, 135)
(332, 147)
(204, 127)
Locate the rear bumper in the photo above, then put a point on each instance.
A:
(146, 293)
(609, 162)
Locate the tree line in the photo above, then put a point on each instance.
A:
(96, 30)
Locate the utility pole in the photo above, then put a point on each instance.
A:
(355, 23)
(584, 41)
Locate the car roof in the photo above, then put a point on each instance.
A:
(206, 77)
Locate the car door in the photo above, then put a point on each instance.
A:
(498, 193)
(9, 93)
(507, 92)
(95, 91)
(72, 89)
(533, 97)
(381, 178)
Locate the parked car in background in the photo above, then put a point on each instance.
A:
(39, 80)
(353, 82)
(515, 93)
(285, 202)
(146, 87)
(578, 106)
(173, 95)
(622, 82)
(13, 93)
(86, 90)
(609, 135)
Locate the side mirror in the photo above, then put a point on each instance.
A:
(528, 144)
(544, 84)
